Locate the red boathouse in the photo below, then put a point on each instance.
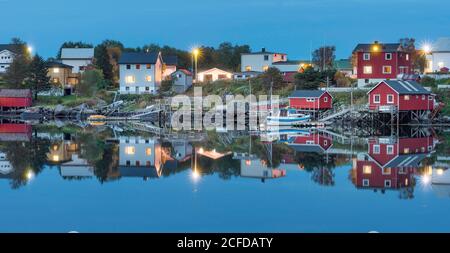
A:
(15, 98)
(311, 100)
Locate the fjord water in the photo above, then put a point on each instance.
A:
(61, 178)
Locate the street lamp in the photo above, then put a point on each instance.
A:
(30, 49)
(195, 53)
(426, 48)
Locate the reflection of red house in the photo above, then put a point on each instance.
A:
(310, 100)
(15, 98)
(367, 174)
(15, 132)
(314, 142)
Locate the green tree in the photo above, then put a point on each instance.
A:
(17, 72)
(272, 75)
(103, 61)
(323, 57)
(310, 79)
(91, 80)
(37, 78)
(166, 85)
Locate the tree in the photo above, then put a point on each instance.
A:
(269, 76)
(37, 78)
(323, 57)
(91, 80)
(166, 85)
(103, 61)
(418, 58)
(341, 79)
(17, 72)
(71, 44)
(310, 79)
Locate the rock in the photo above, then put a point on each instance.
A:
(80, 107)
(60, 109)
(101, 103)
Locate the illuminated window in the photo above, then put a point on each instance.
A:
(387, 69)
(388, 56)
(376, 149)
(130, 150)
(441, 64)
(55, 80)
(386, 171)
(390, 149)
(148, 66)
(406, 97)
(55, 158)
(56, 70)
(367, 169)
(148, 151)
(406, 150)
(130, 79)
(265, 68)
(407, 57)
(376, 98)
(248, 68)
(148, 78)
(367, 70)
(390, 99)
(366, 56)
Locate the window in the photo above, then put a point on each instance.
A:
(128, 163)
(248, 68)
(387, 183)
(138, 163)
(407, 57)
(367, 70)
(325, 99)
(430, 97)
(138, 66)
(127, 88)
(148, 164)
(266, 57)
(366, 56)
(390, 149)
(366, 182)
(147, 88)
(148, 66)
(148, 151)
(387, 69)
(128, 66)
(423, 97)
(325, 142)
(55, 80)
(390, 99)
(367, 169)
(265, 68)
(148, 78)
(386, 171)
(406, 97)
(282, 57)
(388, 56)
(130, 79)
(56, 70)
(376, 149)
(406, 150)
(376, 98)
(81, 68)
(130, 150)
(310, 99)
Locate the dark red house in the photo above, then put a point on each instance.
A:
(400, 96)
(15, 98)
(11, 131)
(380, 61)
(314, 100)
(314, 142)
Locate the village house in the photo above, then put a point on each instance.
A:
(245, 75)
(182, 80)
(310, 100)
(7, 53)
(344, 66)
(438, 58)
(376, 62)
(12, 131)
(15, 99)
(78, 58)
(313, 142)
(400, 96)
(214, 74)
(140, 72)
(62, 77)
(170, 65)
(263, 60)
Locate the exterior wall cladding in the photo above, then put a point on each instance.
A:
(400, 64)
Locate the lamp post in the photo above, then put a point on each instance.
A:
(195, 53)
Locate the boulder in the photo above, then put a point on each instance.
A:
(60, 109)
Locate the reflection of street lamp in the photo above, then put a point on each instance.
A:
(30, 49)
(195, 53)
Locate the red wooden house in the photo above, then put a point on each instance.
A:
(313, 100)
(314, 142)
(380, 61)
(15, 98)
(15, 131)
(402, 96)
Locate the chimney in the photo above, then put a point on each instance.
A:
(263, 49)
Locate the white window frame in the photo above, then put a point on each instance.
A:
(430, 97)
(386, 173)
(386, 72)
(390, 183)
(366, 182)
(379, 98)
(369, 168)
(325, 99)
(388, 58)
(366, 56)
(376, 149)
(310, 100)
(390, 149)
(387, 98)
(367, 72)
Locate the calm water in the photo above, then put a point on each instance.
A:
(63, 177)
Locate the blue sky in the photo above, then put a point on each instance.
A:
(290, 26)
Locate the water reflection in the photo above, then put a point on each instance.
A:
(396, 162)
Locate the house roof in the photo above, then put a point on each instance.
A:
(386, 47)
(441, 45)
(306, 93)
(9, 47)
(77, 53)
(307, 148)
(406, 161)
(185, 71)
(56, 64)
(343, 64)
(262, 52)
(405, 87)
(214, 69)
(291, 62)
(15, 93)
(170, 60)
(138, 58)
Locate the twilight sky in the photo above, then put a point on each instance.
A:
(289, 26)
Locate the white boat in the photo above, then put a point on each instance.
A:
(287, 117)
